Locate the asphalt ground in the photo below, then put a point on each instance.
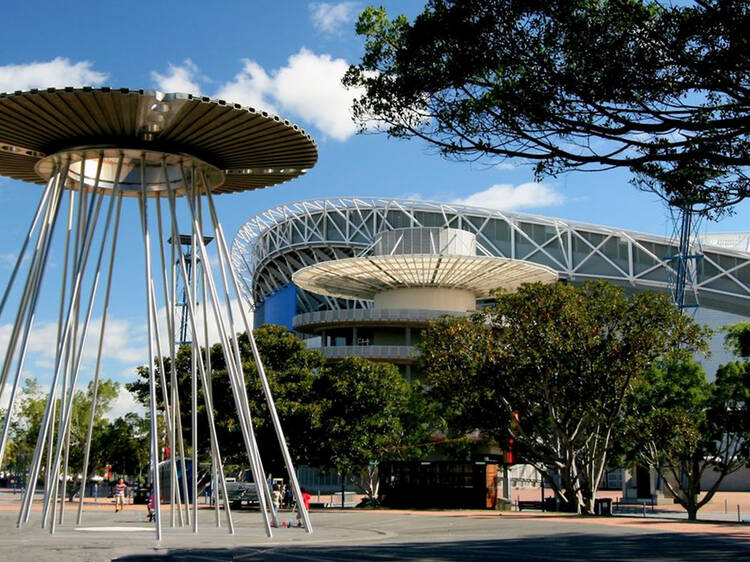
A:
(380, 535)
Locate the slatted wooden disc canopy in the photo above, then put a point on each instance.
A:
(252, 148)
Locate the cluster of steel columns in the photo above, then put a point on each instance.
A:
(78, 294)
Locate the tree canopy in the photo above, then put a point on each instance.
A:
(550, 367)
(121, 443)
(342, 415)
(290, 368)
(660, 88)
(687, 428)
(737, 339)
(369, 413)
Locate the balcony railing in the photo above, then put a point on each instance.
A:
(383, 352)
(362, 316)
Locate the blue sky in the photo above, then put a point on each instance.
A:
(288, 57)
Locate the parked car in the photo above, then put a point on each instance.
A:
(241, 489)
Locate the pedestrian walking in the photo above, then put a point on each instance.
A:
(276, 498)
(120, 489)
(306, 500)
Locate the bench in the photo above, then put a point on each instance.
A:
(538, 505)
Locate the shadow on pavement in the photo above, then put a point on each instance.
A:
(658, 546)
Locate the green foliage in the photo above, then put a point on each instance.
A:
(124, 444)
(121, 443)
(456, 355)
(656, 87)
(364, 411)
(737, 339)
(367, 406)
(290, 368)
(550, 366)
(369, 413)
(684, 426)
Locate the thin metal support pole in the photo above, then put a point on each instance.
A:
(87, 232)
(209, 371)
(61, 321)
(97, 368)
(40, 260)
(262, 483)
(23, 514)
(19, 260)
(235, 379)
(191, 193)
(78, 352)
(176, 401)
(31, 279)
(174, 491)
(221, 242)
(210, 390)
(152, 379)
(34, 272)
(209, 403)
(162, 376)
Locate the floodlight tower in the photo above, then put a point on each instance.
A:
(683, 265)
(184, 244)
(166, 155)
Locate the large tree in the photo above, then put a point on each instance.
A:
(368, 413)
(28, 418)
(660, 88)
(342, 414)
(550, 366)
(290, 368)
(689, 429)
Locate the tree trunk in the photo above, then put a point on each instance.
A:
(692, 511)
(343, 489)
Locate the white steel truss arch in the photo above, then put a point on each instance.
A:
(275, 243)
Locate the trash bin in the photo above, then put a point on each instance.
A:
(603, 507)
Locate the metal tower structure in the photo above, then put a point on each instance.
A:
(184, 244)
(165, 156)
(686, 262)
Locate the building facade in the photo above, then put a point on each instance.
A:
(313, 266)
(276, 243)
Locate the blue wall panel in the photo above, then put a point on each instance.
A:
(281, 307)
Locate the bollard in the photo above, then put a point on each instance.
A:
(643, 505)
(739, 517)
(725, 506)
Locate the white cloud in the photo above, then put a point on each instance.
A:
(507, 197)
(251, 86)
(505, 166)
(125, 403)
(213, 329)
(413, 196)
(57, 73)
(329, 18)
(308, 88)
(124, 341)
(178, 78)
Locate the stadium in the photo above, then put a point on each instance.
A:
(275, 244)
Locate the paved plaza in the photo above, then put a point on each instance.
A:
(375, 535)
